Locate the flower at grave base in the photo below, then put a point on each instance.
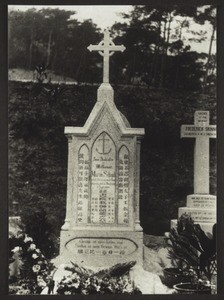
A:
(76, 284)
(32, 247)
(128, 288)
(34, 256)
(67, 293)
(23, 292)
(98, 288)
(40, 262)
(36, 268)
(84, 292)
(67, 280)
(41, 282)
(28, 239)
(87, 282)
(16, 249)
(20, 236)
(38, 251)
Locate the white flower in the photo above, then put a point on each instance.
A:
(32, 247)
(38, 250)
(128, 288)
(39, 278)
(16, 249)
(75, 276)
(36, 268)
(20, 236)
(67, 280)
(28, 239)
(34, 256)
(67, 293)
(40, 281)
(76, 284)
(98, 288)
(208, 282)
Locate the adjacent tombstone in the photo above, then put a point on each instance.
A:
(201, 205)
(102, 224)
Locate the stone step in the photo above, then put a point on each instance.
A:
(199, 215)
(202, 201)
(206, 227)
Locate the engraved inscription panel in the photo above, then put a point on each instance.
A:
(101, 246)
(123, 186)
(202, 117)
(83, 184)
(103, 180)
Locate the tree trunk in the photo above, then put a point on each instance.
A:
(153, 80)
(153, 64)
(49, 47)
(163, 58)
(178, 58)
(209, 58)
(133, 70)
(31, 49)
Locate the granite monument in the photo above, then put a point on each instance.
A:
(102, 224)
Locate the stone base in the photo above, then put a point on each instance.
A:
(202, 208)
(206, 227)
(90, 248)
(199, 215)
(146, 282)
(202, 201)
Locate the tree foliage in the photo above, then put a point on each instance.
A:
(53, 37)
(158, 51)
(38, 147)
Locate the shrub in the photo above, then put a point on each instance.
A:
(84, 285)
(193, 250)
(114, 280)
(34, 268)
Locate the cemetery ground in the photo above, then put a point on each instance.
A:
(38, 114)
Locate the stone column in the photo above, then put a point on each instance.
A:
(137, 180)
(201, 166)
(68, 215)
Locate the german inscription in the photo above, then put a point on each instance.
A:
(203, 216)
(202, 118)
(101, 246)
(195, 131)
(201, 201)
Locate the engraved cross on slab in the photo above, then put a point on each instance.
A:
(105, 47)
(104, 140)
(201, 131)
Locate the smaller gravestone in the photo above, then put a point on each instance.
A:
(201, 205)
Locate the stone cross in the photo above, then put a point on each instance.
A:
(105, 47)
(201, 131)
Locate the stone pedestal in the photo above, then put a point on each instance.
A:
(202, 209)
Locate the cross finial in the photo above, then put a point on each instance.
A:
(106, 48)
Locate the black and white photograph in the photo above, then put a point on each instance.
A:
(112, 149)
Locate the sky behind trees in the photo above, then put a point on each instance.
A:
(105, 16)
(162, 43)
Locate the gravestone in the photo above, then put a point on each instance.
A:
(201, 205)
(102, 224)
